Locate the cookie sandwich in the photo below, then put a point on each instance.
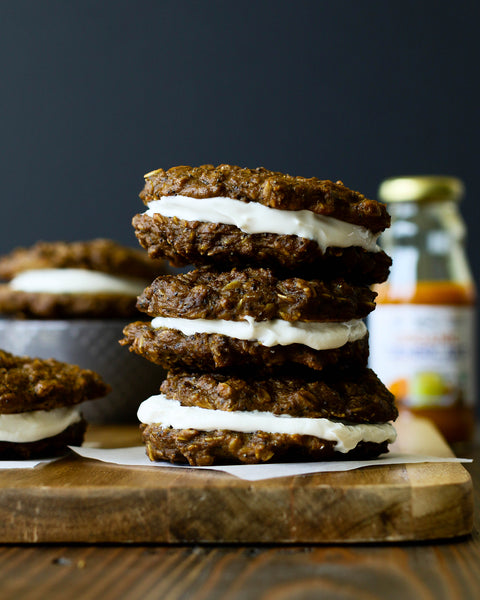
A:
(206, 418)
(39, 398)
(211, 320)
(232, 215)
(86, 279)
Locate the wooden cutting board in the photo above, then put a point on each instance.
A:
(80, 500)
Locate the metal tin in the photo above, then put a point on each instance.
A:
(91, 344)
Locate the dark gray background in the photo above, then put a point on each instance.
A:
(96, 93)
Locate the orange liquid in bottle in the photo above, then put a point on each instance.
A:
(457, 420)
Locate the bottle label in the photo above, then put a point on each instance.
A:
(424, 354)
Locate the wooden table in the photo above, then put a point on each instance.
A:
(424, 570)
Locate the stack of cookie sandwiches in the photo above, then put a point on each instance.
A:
(264, 339)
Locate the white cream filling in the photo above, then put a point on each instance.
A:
(170, 413)
(76, 281)
(37, 424)
(319, 336)
(253, 217)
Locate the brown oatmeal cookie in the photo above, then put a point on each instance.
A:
(272, 189)
(102, 255)
(42, 305)
(28, 384)
(231, 295)
(207, 352)
(205, 448)
(47, 447)
(193, 242)
(356, 395)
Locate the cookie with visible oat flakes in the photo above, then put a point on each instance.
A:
(229, 215)
(38, 398)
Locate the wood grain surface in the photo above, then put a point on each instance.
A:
(78, 500)
(445, 570)
(199, 573)
(420, 571)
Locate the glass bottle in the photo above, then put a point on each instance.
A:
(422, 333)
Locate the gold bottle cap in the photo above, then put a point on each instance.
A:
(421, 188)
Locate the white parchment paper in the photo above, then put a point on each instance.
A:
(135, 456)
(25, 464)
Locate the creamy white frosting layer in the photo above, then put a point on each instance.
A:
(76, 281)
(319, 336)
(170, 413)
(252, 217)
(37, 424)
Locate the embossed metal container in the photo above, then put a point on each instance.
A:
(91, 344)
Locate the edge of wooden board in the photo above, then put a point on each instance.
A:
(82, 501)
